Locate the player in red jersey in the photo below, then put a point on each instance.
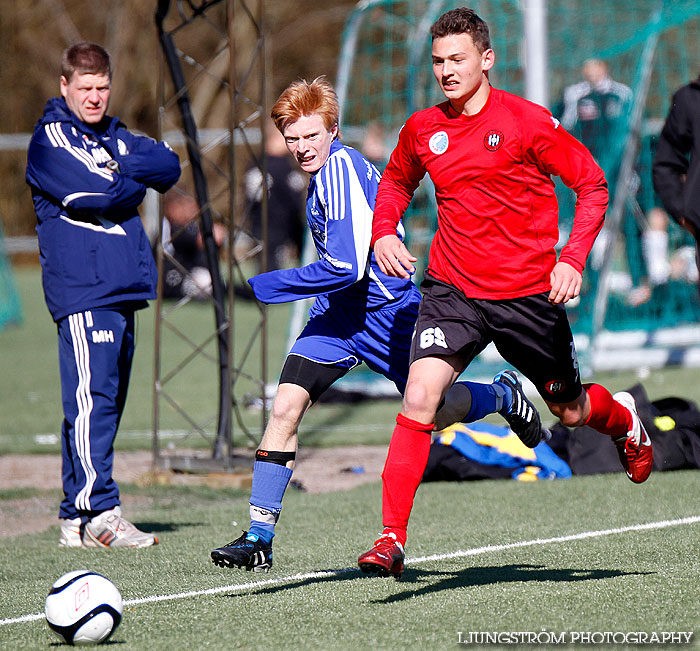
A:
(493, 273)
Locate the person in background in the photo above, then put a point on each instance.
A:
(88, 174)
(285, 202)
(592, 109)
(676, 167)
(373, 145)
(595, 111)
(655, 254)
(185, 268)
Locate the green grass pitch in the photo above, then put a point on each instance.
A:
(483, 557)
(494, 556)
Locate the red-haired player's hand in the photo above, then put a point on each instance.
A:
(566, 283)
(393, 258)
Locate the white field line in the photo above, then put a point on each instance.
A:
(240, 587)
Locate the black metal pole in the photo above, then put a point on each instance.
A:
(211, 248)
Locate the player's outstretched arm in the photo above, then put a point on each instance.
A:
(393, 258)
(566, 283)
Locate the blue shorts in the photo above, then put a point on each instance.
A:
(344, 336)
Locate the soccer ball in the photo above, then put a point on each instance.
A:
(83, 607)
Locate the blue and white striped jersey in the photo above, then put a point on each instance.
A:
(339, 211)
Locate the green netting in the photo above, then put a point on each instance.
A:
(385, 74)
(10, 307)
(618, 32)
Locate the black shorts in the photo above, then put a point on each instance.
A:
(529, 332)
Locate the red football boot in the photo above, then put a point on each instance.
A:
(635, 450)
(385, 558)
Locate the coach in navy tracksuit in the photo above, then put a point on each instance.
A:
(88, 175)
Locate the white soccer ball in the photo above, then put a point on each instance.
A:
(83, 607)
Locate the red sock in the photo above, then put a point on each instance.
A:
(403, 470)
(607, 416)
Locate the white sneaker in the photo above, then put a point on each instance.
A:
(71, 533)
(110, 529)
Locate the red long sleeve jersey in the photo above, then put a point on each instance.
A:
(497, 211)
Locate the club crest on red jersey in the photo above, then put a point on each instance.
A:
(438, 142)
(493, 140)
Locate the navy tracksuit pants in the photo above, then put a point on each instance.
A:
(95, 351)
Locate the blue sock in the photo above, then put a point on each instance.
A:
(270, 481)
(487, 399)
(262, 530)
(507, 397)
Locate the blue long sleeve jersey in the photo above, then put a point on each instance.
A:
(93, 249)
(339, 211)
